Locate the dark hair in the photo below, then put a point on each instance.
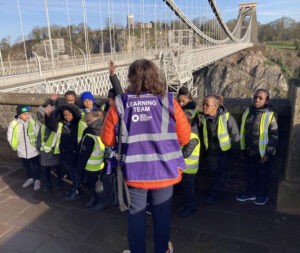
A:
(265, 91)
(111, 93)
(144, 76)
(70, 92)
(184, 91)
(218, 98)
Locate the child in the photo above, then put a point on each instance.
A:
(191, 152)
(21, 136)
(108, 196)
(88, 103)
(220, 136)
(69, 128)
(259, 138)
(46, 141)
(185, 99)
(91, 154)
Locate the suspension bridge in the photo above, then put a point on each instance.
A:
(180, 36)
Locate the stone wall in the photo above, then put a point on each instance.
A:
(289, 189)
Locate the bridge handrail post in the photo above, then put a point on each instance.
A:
(84, 58)
(39, 62)
(2, 65)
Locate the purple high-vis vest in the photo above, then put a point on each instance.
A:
(149, 140)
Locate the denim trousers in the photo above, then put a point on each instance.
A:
(161, 207)
(258, 176)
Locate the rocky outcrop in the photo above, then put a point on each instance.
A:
(237, 76)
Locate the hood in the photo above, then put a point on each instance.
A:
(190, 106)
(94, 127)
(58, 114)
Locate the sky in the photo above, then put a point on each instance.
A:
(33, 14)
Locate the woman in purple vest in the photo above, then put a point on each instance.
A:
(153, 129)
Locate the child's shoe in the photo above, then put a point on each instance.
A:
(28, 182)
(72, 196)
(245, 197)
(261, 200)
(92, 202)
(47, 187)
(37, 185)
(187, 211)
(171, 248)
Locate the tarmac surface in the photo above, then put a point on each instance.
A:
(43, 222)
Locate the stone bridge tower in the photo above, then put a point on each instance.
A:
(247, 10)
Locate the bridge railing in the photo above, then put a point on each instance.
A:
(11, 68)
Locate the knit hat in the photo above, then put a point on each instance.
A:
(87, 95)
(21, 109)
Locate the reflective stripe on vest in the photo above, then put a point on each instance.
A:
(223, 136)
(95, 162)
(265, 121)
(47, 146)
(192, 162)
(30, 132)
(81, 127)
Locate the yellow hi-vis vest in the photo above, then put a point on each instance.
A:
(223, 136)
(81, 127)
(192, 162)
(46, 146)
(30, 131)
(265, 121)
(95, 162)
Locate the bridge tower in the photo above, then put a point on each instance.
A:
(246, 11)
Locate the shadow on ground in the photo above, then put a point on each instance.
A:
(42, 222)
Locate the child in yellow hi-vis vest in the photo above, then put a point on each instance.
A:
(66, 122)
(21, 135)
(191, 153)
(91, 154)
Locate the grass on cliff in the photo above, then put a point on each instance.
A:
(289, 45)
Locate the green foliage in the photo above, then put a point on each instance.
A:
(289, 45)
(297, 44)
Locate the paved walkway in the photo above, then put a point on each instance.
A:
(42, 222)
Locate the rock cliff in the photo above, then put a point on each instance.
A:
(237, 76)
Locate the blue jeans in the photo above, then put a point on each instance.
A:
(161, 208)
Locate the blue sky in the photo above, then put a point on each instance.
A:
(33, 12)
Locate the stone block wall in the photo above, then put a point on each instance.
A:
(288, 199)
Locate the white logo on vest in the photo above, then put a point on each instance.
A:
(141, 117)
(135, 118)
